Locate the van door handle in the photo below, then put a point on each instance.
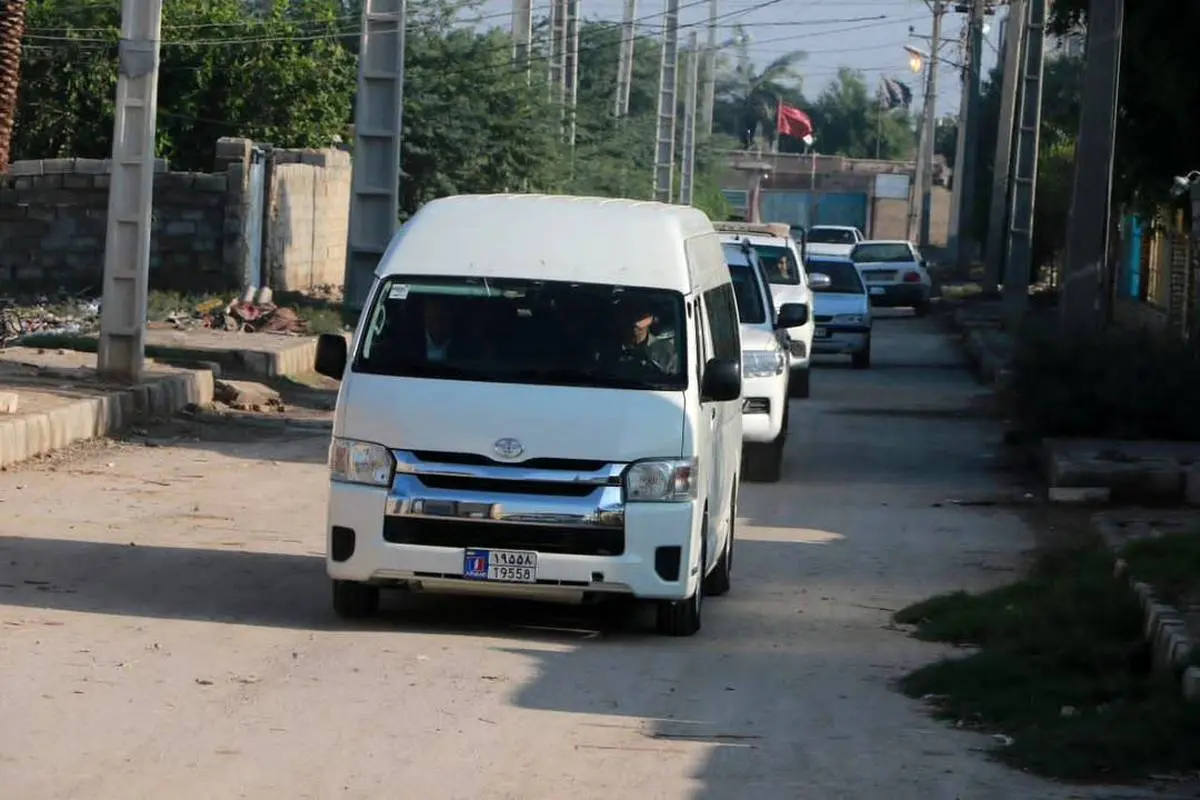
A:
(712, 414)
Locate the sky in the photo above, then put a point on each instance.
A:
(868, 35)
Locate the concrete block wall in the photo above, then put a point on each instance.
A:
(53, 224)
(308, 212)
(54, 213)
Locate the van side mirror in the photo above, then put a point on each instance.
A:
(792, 315)
(819, 280)
(722, 381)
(331, 355)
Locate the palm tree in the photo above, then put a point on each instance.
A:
(12, 29)
(746, 98)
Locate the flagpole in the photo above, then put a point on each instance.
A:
(878, 119)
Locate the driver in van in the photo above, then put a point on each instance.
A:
(639, 343)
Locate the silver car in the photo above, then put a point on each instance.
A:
(841, 310)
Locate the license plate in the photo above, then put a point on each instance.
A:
(821, 333)
(878, 290)
(504, 566)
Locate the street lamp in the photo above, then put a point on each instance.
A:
(916, 58)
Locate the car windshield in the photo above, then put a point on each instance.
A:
(843, 276)
(522, 331)
(749, 297)
(780, 264)
(882, 253)
(831, 236)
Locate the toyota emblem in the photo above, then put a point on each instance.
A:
(508, 448)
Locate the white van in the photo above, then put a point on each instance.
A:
(542, 397)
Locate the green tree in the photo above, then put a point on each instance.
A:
(746, 98)
(850, 120)
(278, 76)
(1159, 85)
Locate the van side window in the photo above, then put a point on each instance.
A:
(701, 349)
(723, 321)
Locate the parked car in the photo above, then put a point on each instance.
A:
(530, 415)
(765, 372)
(782, 257)
(841, 309)
(831, 240)
(895, 273)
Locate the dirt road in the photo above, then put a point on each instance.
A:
(166, 631)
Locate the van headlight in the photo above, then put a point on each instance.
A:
(850, 319)
(661, 481)
(360, 462)
(763, 363)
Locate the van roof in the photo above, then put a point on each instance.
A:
(549, 237)
(779, 229)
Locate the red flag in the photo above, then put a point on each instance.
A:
(791, 121)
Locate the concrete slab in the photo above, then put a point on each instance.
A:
(1135, 471)
(260, 355)
(63, 401)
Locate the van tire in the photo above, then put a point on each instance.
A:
(720, 579)
(354, 600)
(862, 359)
(683, 617)
(799, 385)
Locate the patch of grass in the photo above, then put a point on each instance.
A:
(1170, 563)
(1063, 669)
(62, 341)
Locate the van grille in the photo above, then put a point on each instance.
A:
(538, 538)
(474, 460)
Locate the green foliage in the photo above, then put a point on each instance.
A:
(1159, 85)
(1062, 669)
(745, 102)
(1118, 384)
(849, 121)
(278, 76)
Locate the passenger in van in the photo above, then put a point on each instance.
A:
(638, 342)
(439, 329)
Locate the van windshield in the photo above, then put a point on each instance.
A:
(519, 331)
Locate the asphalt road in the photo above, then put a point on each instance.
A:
(165, 629)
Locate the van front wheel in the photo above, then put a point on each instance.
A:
(354, 600)
(682, 617)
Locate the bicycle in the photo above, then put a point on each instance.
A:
(11, 324)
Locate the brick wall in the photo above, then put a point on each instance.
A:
(53, 223)
(309, 218)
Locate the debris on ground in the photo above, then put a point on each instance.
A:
(238, 315)
(247, 396)
(44, 314)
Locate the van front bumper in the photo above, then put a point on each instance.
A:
(763, 403)
(799, 347)
(656, 542)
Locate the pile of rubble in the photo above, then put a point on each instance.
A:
(253, 312)
(47, 315)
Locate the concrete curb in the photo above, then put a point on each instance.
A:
(32, 435)
(1172, 648)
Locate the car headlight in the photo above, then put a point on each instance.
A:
(661, 481)
(763, 363)
(850, 319)
(360, 462)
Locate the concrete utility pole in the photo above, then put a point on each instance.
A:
(664, 159)
(625, 60)
(571, 68)
(1087, 225)
(961, 244)
(709, 98)
(688, 170)
(1020, 232)
(929, 128)
(522, 33)
(912, 230)
(378, 128)
(1014, 43)
(122, 352)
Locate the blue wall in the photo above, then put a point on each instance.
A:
(799, 208)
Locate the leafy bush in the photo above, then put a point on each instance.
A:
(1118, 384)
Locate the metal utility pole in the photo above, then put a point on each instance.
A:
(929, 128)
(522, 33)
(688, 171)
(966, 157)
(1024, 190)
(1014, 43)
(1087, 225)
(571, 68)
(709, 98)
(625, 60)
(664, 159)
(378, 127)
(122, 351)
(556, 24)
